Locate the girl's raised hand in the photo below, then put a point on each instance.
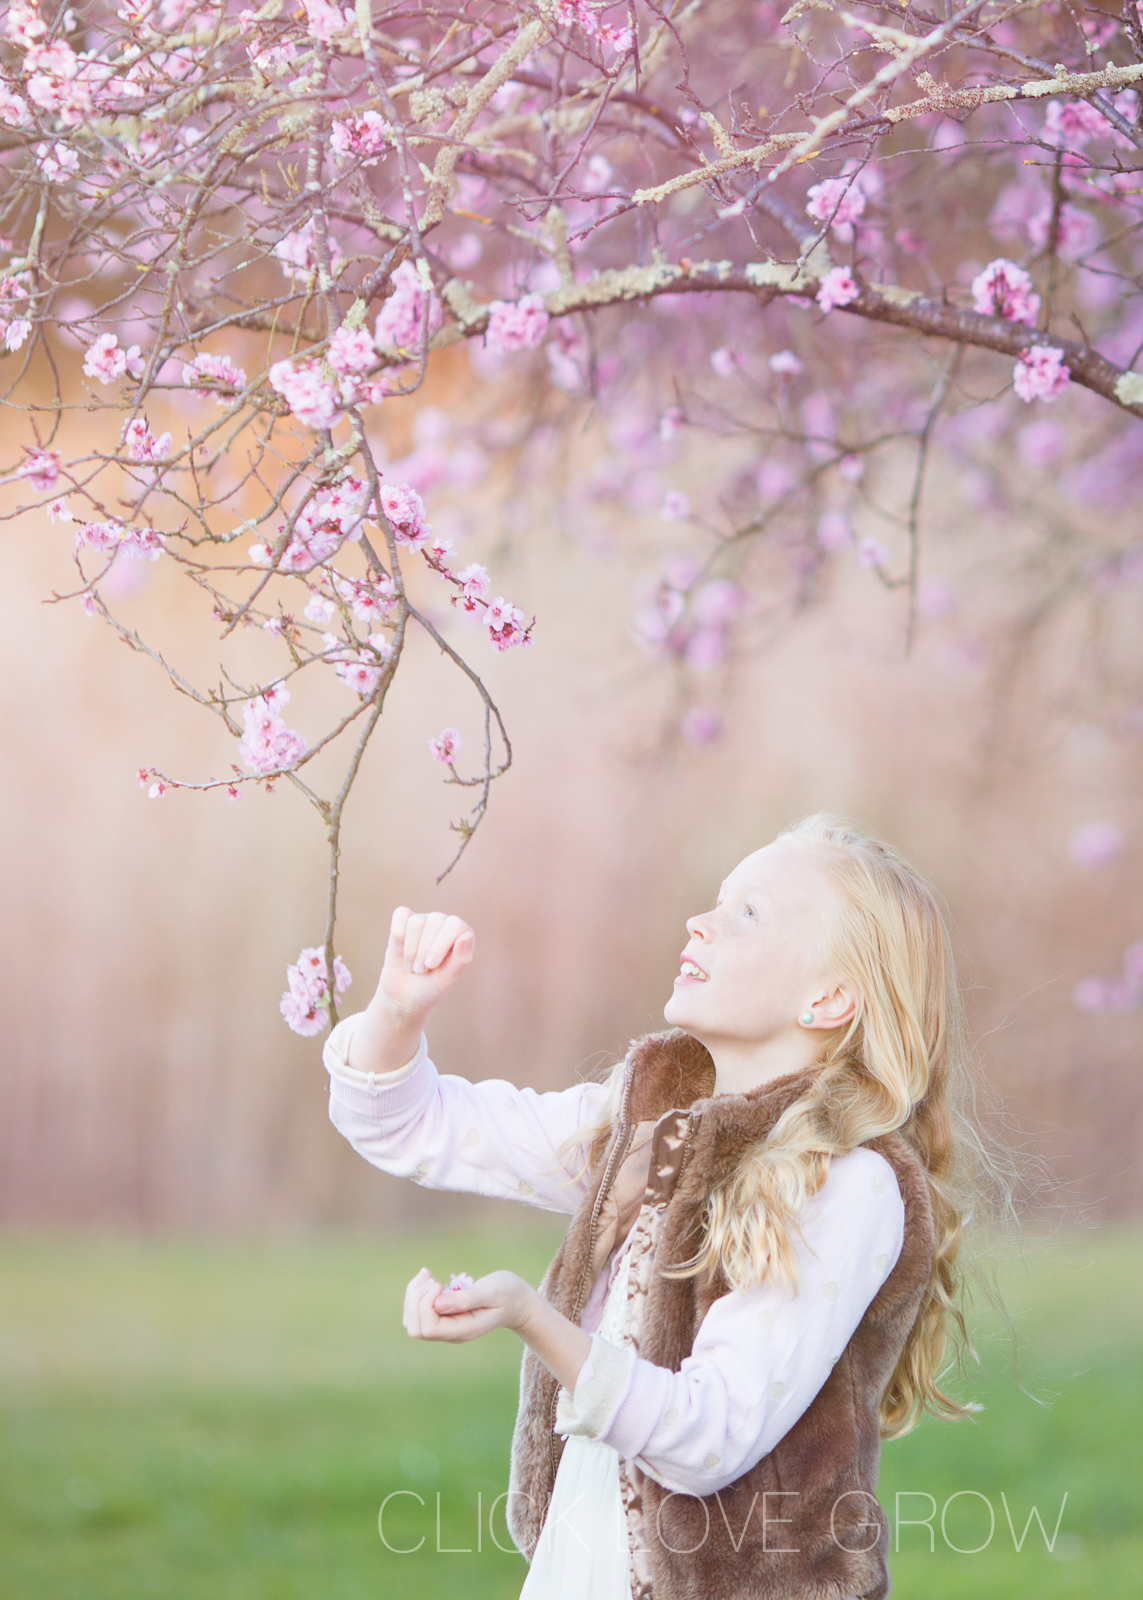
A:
(499, 1300)
(426, 954)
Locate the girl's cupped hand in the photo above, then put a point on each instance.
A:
(499, 1300)
(426, 954)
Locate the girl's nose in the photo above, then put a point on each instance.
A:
(696, 927)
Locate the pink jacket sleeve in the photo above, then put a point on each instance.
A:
(486, 1138)
(760, 1355)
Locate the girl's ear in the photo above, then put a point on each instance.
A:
(836, 1008)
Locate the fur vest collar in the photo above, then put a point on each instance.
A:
(804, 1523)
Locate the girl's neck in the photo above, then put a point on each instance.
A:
(741, 1065)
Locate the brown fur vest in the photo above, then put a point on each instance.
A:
(804, 1523)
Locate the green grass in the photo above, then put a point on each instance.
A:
(224, 1420)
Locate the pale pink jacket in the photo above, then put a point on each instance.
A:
(760, 1356)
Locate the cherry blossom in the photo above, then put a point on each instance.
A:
(404, 510)
(306, 390)
(1074, 125)
(516, 324)
(351, 350)
(306, 1002)
(13, 110)
(1005, 290)
(369, 599)
(41, 468)
(838, 288)
(474, 582)
(220, 371)
(324, 21)
(839, 201)
(140, 544)
(445, 746)
(401, 321)
(142, 445)
(105, 361)
(267, 745)
(390, 217)
(505, 625)
(460, 1280)
(1040, 374)
(319, 610)
(365, 137)
(57, 162)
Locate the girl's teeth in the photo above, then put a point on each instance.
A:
(691, 971)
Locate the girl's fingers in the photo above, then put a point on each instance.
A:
(430, 932)
(446, 943)
(423, 1288)
(412, 938)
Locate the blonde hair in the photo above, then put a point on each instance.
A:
(898, 1066)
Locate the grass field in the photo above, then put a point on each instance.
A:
(185, 1421)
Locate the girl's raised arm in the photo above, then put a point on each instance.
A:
(389, 1101)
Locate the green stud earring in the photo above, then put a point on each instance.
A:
(807, 1017)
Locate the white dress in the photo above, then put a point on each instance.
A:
(582, 1553)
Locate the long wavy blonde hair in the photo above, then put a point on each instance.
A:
(899, 1066)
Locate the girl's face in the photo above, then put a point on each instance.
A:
(754, 964)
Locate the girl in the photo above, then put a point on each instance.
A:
(755, 1286)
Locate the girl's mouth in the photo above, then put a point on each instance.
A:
(689, 973)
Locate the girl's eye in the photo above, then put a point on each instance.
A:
(749, 912)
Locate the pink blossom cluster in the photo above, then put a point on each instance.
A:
(141, 544)
(581, 14)
(369, 599)
(404, 510)
(445, 746)
(1005, 290)
(365, 137)
(472, 583)
(838, 201)
(1072, 125)
(267, 745)
(1114, 996)
(57, 162)
(224, 378)
(505, 624)
(401, 320)
(15, 325)
(57, 80)
(1040, 374)
(142, 445)
(296, 253)
(305, 1004)
(106, 361)
(503, 620)
(334, 515)
(351, 352)
(837, 288)
(687, 623)
(41, 468)
(516, 324)
(310, 395)
(568, 357)
(459, 1280)
(324, 21)
(359, 670)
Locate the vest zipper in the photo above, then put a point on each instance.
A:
(614, 1161)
